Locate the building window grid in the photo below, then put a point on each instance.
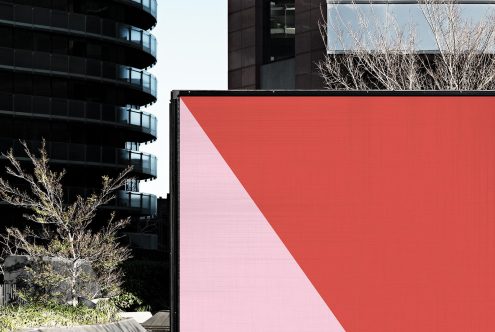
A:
(47, 106)
(69, 64)
(79, 22)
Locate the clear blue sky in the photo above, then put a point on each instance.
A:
(192, 55)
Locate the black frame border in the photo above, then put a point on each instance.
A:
(174, 212)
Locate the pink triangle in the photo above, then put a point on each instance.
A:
(235, 272)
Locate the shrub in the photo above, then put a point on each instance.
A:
(55, 315)
(127, 301)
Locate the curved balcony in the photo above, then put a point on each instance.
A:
(85, 68)
(128, 201)
(144, 164)
(148, 6)
(131, 202)
(39, 107)
(90, 26)
(146, 204)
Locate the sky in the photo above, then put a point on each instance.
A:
(192, 55)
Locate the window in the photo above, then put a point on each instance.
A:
(59, 88)
(23, 39)
(6, 39)
(279, 30)
(385, 19)
(59, 44)
(60, 4)
(77, 48)
(6, 79)
(41, 86)
(6, 11)
(23, 84)
(41, 42)
(93, 50)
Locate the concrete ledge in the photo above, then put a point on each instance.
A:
(128, 325)
(140, 316)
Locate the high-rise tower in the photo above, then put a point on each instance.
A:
(73, 72)
(274, 44)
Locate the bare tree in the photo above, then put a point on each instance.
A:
(378, 52)
(63, 231)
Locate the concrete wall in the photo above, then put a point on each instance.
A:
(128, 325)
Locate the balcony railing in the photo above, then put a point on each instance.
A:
(89, 24)
(147, 5)
(144, 164)
(41, 106)
(67, 64)
(133, 202)
(142, 203)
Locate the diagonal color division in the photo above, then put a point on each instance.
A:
(386, 203)
(235, 273)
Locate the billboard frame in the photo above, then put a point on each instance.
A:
(174, 172)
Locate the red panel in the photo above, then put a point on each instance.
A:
(387, 203)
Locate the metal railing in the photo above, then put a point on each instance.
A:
(78, 22)
(68, 64)
(143, 163)
(149, 6)
(41, 106)
(7, 293)
(145, 204)
(135, 202)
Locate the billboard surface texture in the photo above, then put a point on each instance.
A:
(336, 213)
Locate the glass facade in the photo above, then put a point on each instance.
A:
(131, 201)
(78, 66)
(140, 13)
(143, 203)
(367, 21)
(143, 163)
(72, 74)
(77, 110)
(280, 30)
(147, 5)
(146, 203)
(78, 23)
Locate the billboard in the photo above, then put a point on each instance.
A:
(318, 211)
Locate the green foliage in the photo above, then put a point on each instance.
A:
(54, 315)
(143, 308)
(127, 301)
(41, 283)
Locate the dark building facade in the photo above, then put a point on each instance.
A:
(73, 72)
(153, 233)
(275, 44)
